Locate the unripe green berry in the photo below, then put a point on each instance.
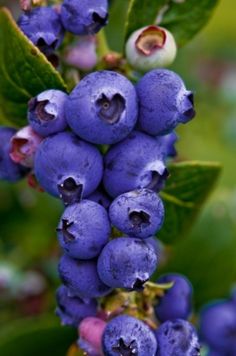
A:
(150, 47)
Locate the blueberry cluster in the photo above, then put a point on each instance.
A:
(103, 151)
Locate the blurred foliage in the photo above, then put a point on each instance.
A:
(207, 255)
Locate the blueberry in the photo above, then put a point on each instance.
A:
(150, 47)
(138, 213)
(100, 197)
(167, 145)
(218, 326)
(127, 262)
(164, 102)
(24, 144)
(68, 167)
(90, 331)
(102, 108)
(133, 164)
(84, 17)
(82, 54)
(72, 310)
(84, 230)
(128, 336)
(9, 170)
(177, 338)
(46, 113)
(81, 278)
(177, 301)
(43, 27)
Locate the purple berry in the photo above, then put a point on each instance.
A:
(164, 102)
(102, 108)
(84, 230)
(84, 17)
(82, 54)
(177, 301)
(90, 331)
(72, 310)
(43, 27)
(68, 167)
(127, 262)
(9, 170)
(24, 145)
(46, 112)
(133, 164)
(167, 144)
(128, 336)
(138, 213)
(81, 278)
(100, 197)
(177, 338)
(218, 326)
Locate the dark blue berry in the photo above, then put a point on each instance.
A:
(127, 262)
(67, 167)
(84, 230)
(128, 336)
(164, 102)
(72, 310)
(167, 144)
(102, 108)
(43, 27)
(84, 17)
(177, 301)
(100, 197)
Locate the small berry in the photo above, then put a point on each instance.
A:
(24, 145)
(177, 301)
(91, 331)
(100, 197)
(9, 170)
(81, 278)
(164, 102)
(127, 262)
(67, 167)
(128, 336)
(84, 17)
(150, 47)
(102, 108)
(167, 145)
(84, 230)
(82, 54)
(43, 27)
(177, 337)
(133, 164)
(46, 112)
(138, 213)
(72, 310)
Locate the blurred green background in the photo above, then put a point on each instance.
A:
(28, 245)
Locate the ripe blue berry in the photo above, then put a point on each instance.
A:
(177, 337)
(150, 47)
(43, 27)
(127, 262)
(137, 213)
(72, 310)
(84, 230)
(84, 17)
(100, 197)
(133, 164)
(177, 301)
(68, 167)
(167, 144)
(81, 278)
(46, 113)
(164, 102)
(102, 108)
(128, 336)
(9, 170)
(218, 326)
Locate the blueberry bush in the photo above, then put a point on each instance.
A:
(93, 125)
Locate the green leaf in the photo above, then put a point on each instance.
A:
(24, 72)
(36, 336)
(183, 18)
(186, 190)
